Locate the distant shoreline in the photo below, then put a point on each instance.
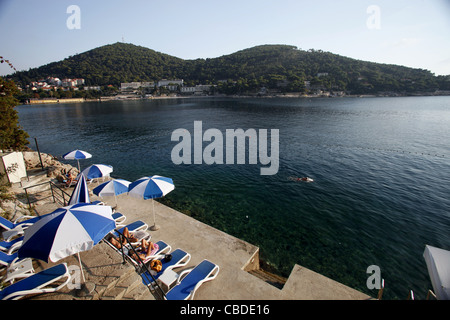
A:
(287, 95)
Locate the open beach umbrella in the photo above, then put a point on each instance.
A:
(151, 188)
(77, 155)
(438, 264)
(112, 188)
(66, 231)
(96, 171)
(81, 192)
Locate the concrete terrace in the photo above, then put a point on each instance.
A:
(115, 280)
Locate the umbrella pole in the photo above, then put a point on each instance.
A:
(87, 287)
(154, 227)
(81, 268)
(115, 198)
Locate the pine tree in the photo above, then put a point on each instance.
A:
(11, 134)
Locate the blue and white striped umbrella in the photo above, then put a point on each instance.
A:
(81, 192)
(438, 265)
(151, 188)
(97, 171)
(77, 155)
(67, 231)
(112, 188)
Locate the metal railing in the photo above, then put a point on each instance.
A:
(58, 194)
(63, 198)
(141, 268)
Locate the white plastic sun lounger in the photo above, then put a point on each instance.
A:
(16, 228)
(9, 225)
(15, 267)
(42, 282)
(180, 258)
(132, 227)
(11, 246)
(119, 218)
(6, 259)
(193, 279)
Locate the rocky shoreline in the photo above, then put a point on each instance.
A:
(55, 169)
(13, 202)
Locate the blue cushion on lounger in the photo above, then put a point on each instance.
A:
(35, 283)
(188, 285)
(6, 245)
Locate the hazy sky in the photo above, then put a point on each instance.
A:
(414, 33)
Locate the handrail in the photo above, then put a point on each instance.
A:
(142, 268)
(51, 185)
(26, 192)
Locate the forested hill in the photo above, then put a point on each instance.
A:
(272, 66)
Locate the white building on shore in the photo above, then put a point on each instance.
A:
(127, 86)
(175, 82)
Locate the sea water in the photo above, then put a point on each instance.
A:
(381, 171)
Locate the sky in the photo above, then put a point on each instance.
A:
(413, 33)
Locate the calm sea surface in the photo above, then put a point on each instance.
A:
(381, 170)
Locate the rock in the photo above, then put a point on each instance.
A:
(55, 169)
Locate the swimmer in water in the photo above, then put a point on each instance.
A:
(302, 179)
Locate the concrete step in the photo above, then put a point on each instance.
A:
(128, 287)
(140, 292)
(118, 290)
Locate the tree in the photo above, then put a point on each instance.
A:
(11, 134)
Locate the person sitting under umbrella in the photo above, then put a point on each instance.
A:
(67, 177)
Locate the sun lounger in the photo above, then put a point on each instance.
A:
(19, 269)
(163, 248)
(17, 227)
(134, 226)
(119, 218)
(42, 282)
(8, 225)
(180, 258)
(138, 228)
(193, 279)
(15, 267)
(11, 246)
(7, 259)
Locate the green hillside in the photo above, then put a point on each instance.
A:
(282, 67)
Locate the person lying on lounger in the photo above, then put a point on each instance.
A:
(146, 249)
(128, 235)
